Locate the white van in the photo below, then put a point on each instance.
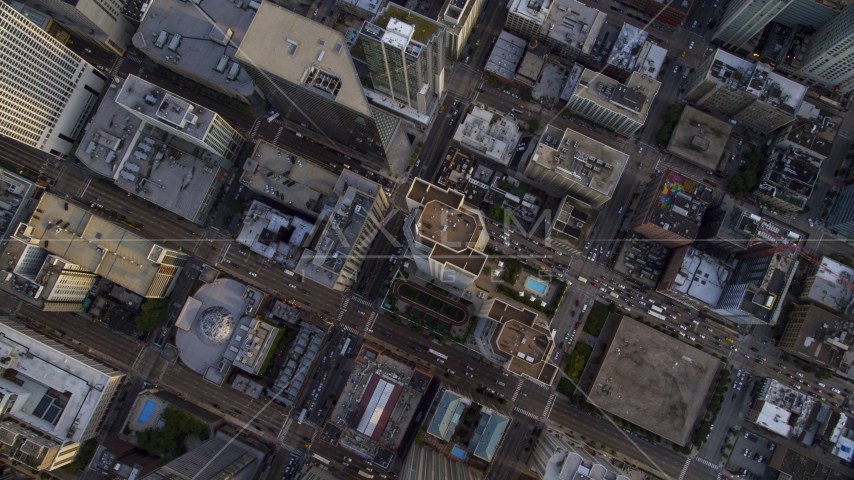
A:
(584, 308)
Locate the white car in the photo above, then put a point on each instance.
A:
(253, 274)
(691, 46)
(694, 25)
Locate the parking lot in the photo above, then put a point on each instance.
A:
(750, 455)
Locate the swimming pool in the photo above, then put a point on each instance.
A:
(147, 410)
(536, 286)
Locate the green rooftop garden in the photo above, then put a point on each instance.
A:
(424, 27)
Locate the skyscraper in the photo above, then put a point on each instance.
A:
(405, 56)
(743, 19)
(99, 20)
(307, 74)
(46, 91)
(829, 62)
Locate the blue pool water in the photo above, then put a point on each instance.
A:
(458, 452)
(147, 410)
(536, 285)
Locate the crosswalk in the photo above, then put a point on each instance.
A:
(708, 463)
(117, 66)
(285, 427)
(278, 134)
(343, 308)
(685, 468)
(526, 413)
(370, 326)
(348, 328)
(362, 301)
(254, 130)
(518, 389)
(548, 410)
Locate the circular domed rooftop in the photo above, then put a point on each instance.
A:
(214, 325)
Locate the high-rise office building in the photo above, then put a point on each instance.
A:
(747, 93)
(50, 388)
(305, 71)
(842, 216)
(447, 238)
(219, 458)
(756, 293)
(337, 252)
(829, 62)
(459, 18)
(102, 21)
(618, 107)
(200, 43)
(405, 53)
(745, 19)
(46, 91)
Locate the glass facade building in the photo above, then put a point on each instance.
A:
(404, 54)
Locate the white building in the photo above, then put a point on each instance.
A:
(46, 91)
(783, 410)
(52, 389)
(829, 62)
(490, 134)
(102, 21)
(459, 18)
(446, 237)
(179, 117)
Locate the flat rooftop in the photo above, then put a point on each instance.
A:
(132, 152)
(372, 6)
(468, 260)
(524, 341)
(506, 55)
(301, 184)
(572, 22)
(822, 336)
(730, 71)
(161, 105)
(699, 138)
(97, 245)
(39, 363)
(784, 402)
(814, 129)
(493, 135)
(422, 192)
(344, 225)
(408, 24)
(627, 47)
(680, 204)
(631, 100)
(766, 229)
(574, 222)
(827, 288)
(303, 52)
(764, 300)
(448, 226)
(776, 90)
(205, 39)
(791, 175)
(531, 10)
(702, 276)
(653, 380)
(580, 158)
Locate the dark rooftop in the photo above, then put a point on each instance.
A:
(680, 204)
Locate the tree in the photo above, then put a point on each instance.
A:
(525, 94)
(168, 442)
(533, 125)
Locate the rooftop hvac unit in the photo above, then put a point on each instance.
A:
(161, 39)
(175, 42)
(223, 62)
